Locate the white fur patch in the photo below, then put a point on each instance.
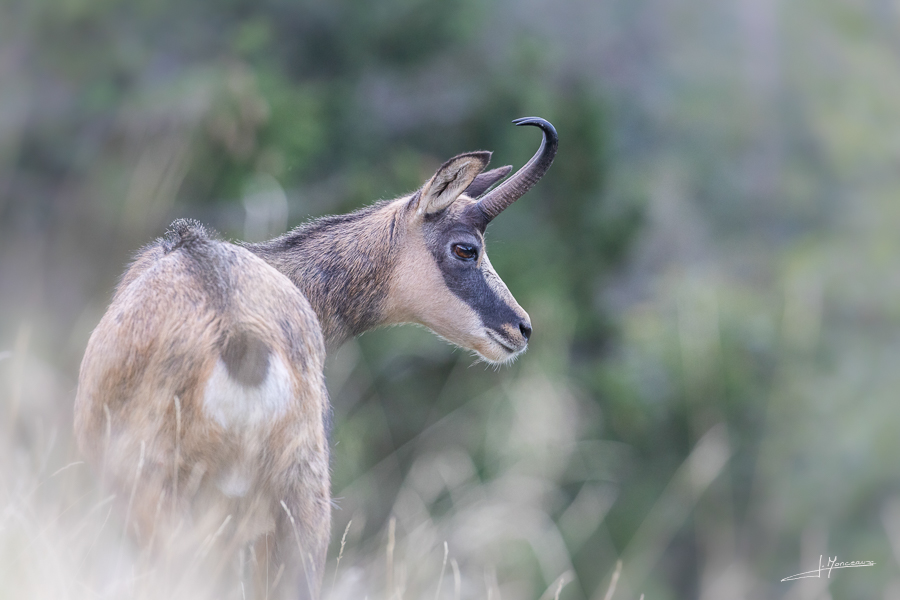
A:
(248, 414)
(236, 407)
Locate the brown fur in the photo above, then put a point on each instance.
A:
(342, 265)
(175, 395)
(159, 341)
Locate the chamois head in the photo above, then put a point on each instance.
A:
(444, 279)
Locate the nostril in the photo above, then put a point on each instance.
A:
(525, 328)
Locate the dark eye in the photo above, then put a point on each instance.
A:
(465, 251)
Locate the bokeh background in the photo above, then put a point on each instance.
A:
(712, 391)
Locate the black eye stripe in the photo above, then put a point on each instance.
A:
(477, 287)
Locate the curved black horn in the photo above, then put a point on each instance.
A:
(495, 201)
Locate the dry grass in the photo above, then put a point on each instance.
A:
(63, 536)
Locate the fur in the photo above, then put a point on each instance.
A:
(202, 396)
(156, 364)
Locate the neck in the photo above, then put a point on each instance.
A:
(343, 265)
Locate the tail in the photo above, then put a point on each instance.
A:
(185, 232)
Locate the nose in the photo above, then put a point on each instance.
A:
(525, 328)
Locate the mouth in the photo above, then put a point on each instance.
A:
(503, 343)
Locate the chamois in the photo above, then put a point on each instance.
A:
(201, 395)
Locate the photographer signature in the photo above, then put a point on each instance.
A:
(832, 564)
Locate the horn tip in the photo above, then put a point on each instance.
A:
(544, 124)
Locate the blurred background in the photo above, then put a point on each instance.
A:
(711, 391)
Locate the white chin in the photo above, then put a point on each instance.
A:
(497, 354)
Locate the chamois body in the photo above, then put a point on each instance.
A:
(201, 394)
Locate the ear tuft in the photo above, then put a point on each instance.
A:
(451, 180)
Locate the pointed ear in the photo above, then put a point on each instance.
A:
(486, 180)
(451, 180)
